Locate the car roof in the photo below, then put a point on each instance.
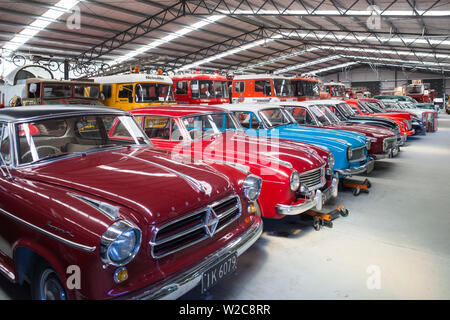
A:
(177, 110)
(251, 106)
(308, 102)
(23, 113)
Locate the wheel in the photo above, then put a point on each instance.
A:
(317, 224)
(45, 284)
(369, 185)
(343, 212)
(19, 60)
(53, 65)
(356, 191)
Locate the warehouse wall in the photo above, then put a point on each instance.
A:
(386, 77)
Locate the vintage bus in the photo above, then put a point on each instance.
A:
(37, 91)
(262, 88)
(335, 89)
(135, 90)
(201, 88)
(306, 87)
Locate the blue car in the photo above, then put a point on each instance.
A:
(348, 148)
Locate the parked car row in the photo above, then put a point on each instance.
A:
(150, 199)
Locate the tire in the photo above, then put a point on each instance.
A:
(45, 284)
(356, 191)
(317, 224)
(19, 60)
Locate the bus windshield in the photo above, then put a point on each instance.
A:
(283, 88)
(153, 92)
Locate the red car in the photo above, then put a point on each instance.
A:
(383, 142)
(296, 177)
(87, 215)
(362, 107)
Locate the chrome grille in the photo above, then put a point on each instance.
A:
(313, 179)
(195, 227)
(409, 124)
(357, 154)
(389, 143)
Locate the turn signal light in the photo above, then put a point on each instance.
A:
(121, 275)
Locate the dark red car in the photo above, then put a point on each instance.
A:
(89, 215)
(383, 142)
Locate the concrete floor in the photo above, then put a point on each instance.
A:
(396, 240)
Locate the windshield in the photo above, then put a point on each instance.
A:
(335, 90)
(283, 88)
(51, 138)
(86, 91)
(275, 117)
(202, 89)
(304, 88)
(153, 92)
(202, 126)
(347, 110)
(414, 89)
(52, 91)
(221, 89)
(328, 117)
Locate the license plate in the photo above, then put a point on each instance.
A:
(219, 271)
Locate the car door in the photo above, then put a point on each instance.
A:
(6, 202)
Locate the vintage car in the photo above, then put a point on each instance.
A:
(296, 177)
(347, 115)
(419, 126)
(371, 107)
(349, 149)
(87, 213)
(316, 114)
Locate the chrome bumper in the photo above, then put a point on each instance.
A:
(393, 152)
(180, 283)
(367, 167)
(317, 201)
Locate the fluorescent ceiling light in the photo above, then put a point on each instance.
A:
(168, 38)
(338, 66)
(307, 64)
(274, 60)
(368, 12)
(228, 53)
(401, 53)
(40, 23)
(394, 38)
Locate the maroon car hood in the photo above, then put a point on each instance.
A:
(250, 150)
(143, 179)
(370, 131)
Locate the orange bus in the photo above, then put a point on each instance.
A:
(262, 88)
(306, 87)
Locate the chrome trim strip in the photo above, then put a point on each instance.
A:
(7, 272)
(49, 234)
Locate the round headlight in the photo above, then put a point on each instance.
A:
(252, 187)
(330, 161)
(349, 153)
(120, 243)
(295, 181)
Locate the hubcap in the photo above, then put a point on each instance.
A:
(50, 287)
